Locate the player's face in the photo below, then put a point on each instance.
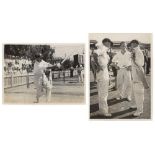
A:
(134, 45)
(92, 49)
(107, 44)
(129, 49)
(39, 59)
(123, 46)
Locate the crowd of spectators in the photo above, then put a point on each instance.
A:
(17, 65)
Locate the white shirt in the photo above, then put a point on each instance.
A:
(149, 53)
(103, 57)
(103, 60)
(139, 56)
(139, 59)
(122, 60)
(39, 68)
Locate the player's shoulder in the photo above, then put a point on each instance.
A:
(138, 51)
(43, 62)
(117, 53)
(98, 52)
(129, 53)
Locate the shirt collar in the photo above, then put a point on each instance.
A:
(104, 48)
(125, 52)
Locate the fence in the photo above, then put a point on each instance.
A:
(18, 80)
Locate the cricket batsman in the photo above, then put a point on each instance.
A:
(40, 79)
(102, 77)
(138, 76)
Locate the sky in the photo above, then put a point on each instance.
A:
(62, 50)
(142, 37)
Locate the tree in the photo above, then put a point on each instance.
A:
(67, 64)
(15, 50)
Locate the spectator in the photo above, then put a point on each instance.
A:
(71, 71)
(79, 71)
(92, 61)
(148, 61)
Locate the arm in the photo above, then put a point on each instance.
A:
(50, 66)
(115, 61)
(95, 56)
(139, 58)
(98, 67)
(129, 65)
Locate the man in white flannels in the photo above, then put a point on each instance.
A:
(122, 62)
(101, 59)
(138, 77)
(40, 79)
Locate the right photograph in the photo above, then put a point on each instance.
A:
(120, 75)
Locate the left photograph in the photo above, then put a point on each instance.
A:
(43, 73)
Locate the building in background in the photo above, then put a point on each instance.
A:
(78, 59)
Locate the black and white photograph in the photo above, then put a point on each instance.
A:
(43, 73)
(120, 75)
(77, 77)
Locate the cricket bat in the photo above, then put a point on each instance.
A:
(65, 59)
(141, 76)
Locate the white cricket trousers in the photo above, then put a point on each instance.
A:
(43, 83)
(102, 87)
(124, 83)
(138, 90)
(102, 78)
(81, 77)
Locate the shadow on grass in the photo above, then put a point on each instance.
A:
(95, 107)
(94, 93)
(93, 87)
(113, 101)
(130, 117)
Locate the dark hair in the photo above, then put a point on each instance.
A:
(129, 45)
(93, 46)
(134, 41)
(107, 40)
(38, 55)
(123, 42)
